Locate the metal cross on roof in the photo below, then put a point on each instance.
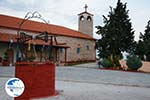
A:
(86, 7)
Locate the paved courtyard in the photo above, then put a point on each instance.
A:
(78, 83)
(94, 84)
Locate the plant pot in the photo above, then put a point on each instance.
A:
(5, 63)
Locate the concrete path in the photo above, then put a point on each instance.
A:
(5, 74)
(3, 94)
(92, 84)
(88, 91)
(100, 76)
(87, 65)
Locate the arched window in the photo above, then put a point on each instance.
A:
(89, 18)
(81, 18)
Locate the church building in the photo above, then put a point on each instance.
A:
(69, 46)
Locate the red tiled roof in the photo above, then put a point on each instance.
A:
(13, 22)
(4, 37)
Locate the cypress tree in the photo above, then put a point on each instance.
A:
(143, 46)
(117, 34)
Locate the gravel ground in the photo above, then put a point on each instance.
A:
(3, 94)
(103, 76)
(92, 84)
(90, 91)
(5, 74)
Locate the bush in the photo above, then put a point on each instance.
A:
(133, 62)
(5, 56)
(106, 63)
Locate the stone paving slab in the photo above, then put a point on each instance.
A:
(103, 76)
(88, 91)
(87, 65)
(7, 71)
(91, 84)
(58, 97)
(3, 94)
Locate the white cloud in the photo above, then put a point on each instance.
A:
(64, 12)
(11, 12)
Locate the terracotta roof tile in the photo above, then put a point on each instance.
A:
(13, 22)
(4, 37)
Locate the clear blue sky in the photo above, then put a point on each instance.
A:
(64, 12)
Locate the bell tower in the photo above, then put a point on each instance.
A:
(85, 22)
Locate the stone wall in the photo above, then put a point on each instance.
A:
(86, 46)
(85, 26)
(87, 49)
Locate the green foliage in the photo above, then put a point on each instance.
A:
(133, 62)
(140, 49)
(106, 63)
(143, 45)
(31, 58)
(117, 34)
(5, 58)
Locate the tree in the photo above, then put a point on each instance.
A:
(117, 34)
(143, 46)
(140, 49)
